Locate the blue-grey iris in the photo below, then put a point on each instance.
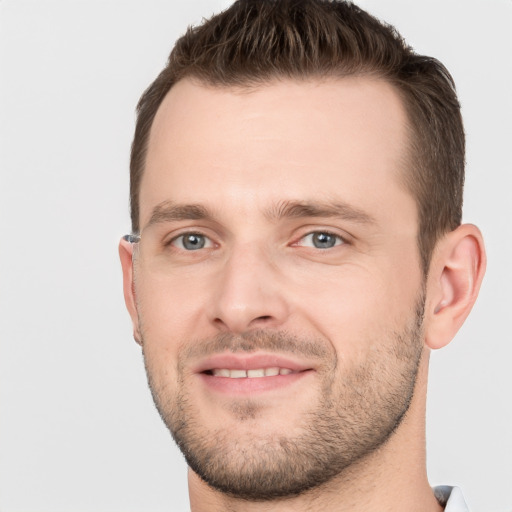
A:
(324, 240)
(193, 242)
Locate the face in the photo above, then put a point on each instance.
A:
(277, 283)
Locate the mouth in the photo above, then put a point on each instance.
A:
(256, 373)
(250, 374)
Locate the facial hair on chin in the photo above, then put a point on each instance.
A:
(357, 410)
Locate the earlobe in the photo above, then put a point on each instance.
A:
(125, 254)
(456, 272)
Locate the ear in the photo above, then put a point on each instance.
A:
(126, 256)
(456, 272)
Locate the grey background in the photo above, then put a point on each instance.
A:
(78, 431)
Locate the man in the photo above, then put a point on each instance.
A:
(297, 251)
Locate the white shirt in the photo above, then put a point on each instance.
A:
(451, 497)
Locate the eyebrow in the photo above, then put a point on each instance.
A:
(329, 209)
(168, 211)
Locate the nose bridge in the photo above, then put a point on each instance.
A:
(248, 293)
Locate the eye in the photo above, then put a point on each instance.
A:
(191, 242)
(321, 240)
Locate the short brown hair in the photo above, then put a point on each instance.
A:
(256, 41)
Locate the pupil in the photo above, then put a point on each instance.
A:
(193, 242)
(323, 240)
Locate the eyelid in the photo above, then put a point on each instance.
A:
(305, 231)
(337, 240)
(170, 241)
(344, 238)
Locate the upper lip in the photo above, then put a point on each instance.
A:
(252, 361)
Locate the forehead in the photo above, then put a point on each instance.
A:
(287, 140)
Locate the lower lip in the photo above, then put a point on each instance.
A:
(251, 386)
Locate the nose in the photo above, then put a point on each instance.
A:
(249, 293)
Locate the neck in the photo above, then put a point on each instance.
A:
(392, 477)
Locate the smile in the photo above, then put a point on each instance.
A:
(250, 374)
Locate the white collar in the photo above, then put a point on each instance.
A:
(451, 498)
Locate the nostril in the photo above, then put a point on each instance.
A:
(218, 321)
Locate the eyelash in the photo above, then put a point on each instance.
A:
(182, 236)
(339, 240)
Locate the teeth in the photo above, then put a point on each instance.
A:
(255, 373)
(260, 372)
(237, 374)
(221, 373)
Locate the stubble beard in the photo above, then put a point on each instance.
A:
(356, 413)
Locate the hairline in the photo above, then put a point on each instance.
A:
(407, 169)
(249, 85)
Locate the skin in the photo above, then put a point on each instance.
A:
(245, 155)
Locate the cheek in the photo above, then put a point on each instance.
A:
(359, 307)
(169, 314)
(167, 306)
